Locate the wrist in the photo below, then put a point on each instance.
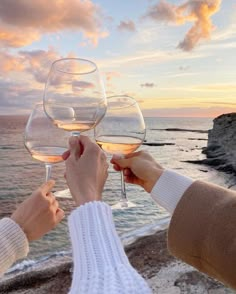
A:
(83, 198)
(153, 178)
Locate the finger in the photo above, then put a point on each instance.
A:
(51, 196)
(55, 205)
(129, 179)
(116, 158)
(66, 154)
(87, 144)
(127, 172)
(134, 154)
(85, 140)
(74, 147)
(60, 214)
(122, 162)
(47, 187)
(116, 167)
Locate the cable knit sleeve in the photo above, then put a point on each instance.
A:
(13, 244)
(100, 263)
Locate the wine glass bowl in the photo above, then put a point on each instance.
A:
(74, 95)
(43, 140)
(121, 132)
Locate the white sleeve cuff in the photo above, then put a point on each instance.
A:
(14, 244)
(169, 188)
(95, 242)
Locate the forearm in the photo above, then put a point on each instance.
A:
(202, 231)
(100, 263)
(13, 244)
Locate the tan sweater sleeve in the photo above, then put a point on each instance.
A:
(202, 231)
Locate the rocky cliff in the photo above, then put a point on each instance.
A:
(221, 146)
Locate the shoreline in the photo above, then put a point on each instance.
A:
(148, 254)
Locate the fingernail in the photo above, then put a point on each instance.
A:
(118, 156)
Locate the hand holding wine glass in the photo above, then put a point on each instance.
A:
(121, 132)
(74, 95)
(44, 141)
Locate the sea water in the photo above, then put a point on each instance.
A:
(179, 139)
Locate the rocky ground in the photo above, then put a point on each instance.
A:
(148, 255)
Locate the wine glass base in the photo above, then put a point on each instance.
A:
(123, 205)
(63, 194)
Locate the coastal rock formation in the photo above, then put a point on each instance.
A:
(221, 146)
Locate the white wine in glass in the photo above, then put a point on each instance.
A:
(44, 141)
(121, 132)
(74, 95)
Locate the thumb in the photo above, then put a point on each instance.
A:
(74, 146)
(121, 161)
(60, 214)
(47, 187)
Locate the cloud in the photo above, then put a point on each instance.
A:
(38, 62)
(22, 22)
(80, 86)
(10, 63)
(17, 94)
(127, 26)
(198, 12)
(111, 74)
(184, 67)
(148, 85)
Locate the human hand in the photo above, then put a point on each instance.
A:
(86, 170)
(139, 168)
(39, 213)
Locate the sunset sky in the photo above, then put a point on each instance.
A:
(176, 58)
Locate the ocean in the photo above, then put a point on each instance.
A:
(179, 139)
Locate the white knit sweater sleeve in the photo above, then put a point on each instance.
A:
(169, 188)
(13, 244)
(100, 263)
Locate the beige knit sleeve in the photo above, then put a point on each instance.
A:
(13, 244)
(202, 231)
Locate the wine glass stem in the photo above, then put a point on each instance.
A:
(75, 133)
(124, 198)
(48, 167)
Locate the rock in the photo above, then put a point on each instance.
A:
(180, 130)
(157, 144)
(221, 147)
(222, 142)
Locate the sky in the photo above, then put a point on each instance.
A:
(176, 58)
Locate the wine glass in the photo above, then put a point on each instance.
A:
(121, 132)
(44, 141)
(74, 95)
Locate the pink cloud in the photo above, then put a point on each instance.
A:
(198, 12)
(10, 63)
(22, 22)
(38, 62)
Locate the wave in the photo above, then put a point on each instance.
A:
(31, 263)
